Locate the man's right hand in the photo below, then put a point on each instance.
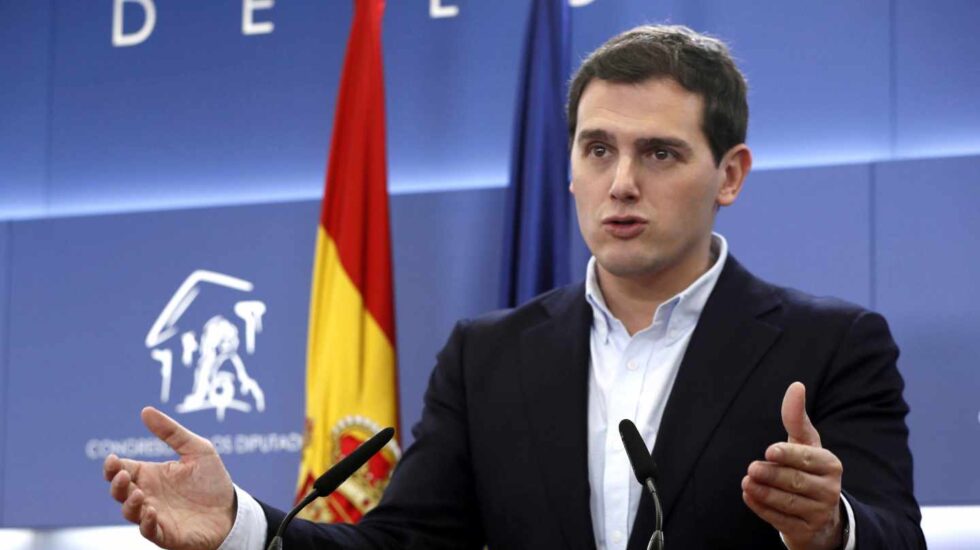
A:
(184, 504)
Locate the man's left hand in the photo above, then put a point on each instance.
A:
(797, 488)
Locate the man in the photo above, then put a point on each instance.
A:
(517, 446)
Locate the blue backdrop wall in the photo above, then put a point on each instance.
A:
(126, 169)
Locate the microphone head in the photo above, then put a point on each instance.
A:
(339, 473)
(644, 467)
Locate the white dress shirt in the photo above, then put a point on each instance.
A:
(629, 377)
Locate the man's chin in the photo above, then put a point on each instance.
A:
(629, 266)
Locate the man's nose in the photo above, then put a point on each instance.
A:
(624, 186)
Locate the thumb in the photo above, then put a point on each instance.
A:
(795, 420)
(171, 432)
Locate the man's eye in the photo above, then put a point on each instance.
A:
(662, 154)
(598, 150)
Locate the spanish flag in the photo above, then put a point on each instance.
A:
(351, 378)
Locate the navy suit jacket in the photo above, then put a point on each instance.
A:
(500, 456)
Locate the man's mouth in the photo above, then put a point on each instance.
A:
(624, 227)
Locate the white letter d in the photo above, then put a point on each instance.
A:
(121, 39)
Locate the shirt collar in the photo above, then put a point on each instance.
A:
(676, 315)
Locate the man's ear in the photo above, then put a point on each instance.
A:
(736, 164)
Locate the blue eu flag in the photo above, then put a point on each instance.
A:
(536, 232)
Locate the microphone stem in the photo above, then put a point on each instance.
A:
(276, 543)
(657, 540)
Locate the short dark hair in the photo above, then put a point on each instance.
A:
(699, 63)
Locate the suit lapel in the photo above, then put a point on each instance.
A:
(554, 376)
(726, 346)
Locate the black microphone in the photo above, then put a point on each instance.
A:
(645, 469)
(332, 478)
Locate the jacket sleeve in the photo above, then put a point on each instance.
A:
(430, 502)
(860, 414)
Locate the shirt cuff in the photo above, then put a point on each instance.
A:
(248, 531)
(851, 542)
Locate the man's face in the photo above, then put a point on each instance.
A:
(645, 183)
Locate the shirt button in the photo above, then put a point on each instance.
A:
(631, 365)
(617, 537)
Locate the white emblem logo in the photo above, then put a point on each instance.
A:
(219, 362)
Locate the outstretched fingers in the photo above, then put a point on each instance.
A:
(184, 504)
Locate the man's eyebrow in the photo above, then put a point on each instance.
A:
(593, 134)
(651, 142)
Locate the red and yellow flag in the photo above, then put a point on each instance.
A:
(351, 378)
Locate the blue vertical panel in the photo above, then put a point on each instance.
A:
(450, 88)
(928, 234)
(444, 271)
(85, 293)
(25, 31)
(818, 77)
(936, 77)
(805, 227)
(818, 72)
(4, 298)
(198, 113)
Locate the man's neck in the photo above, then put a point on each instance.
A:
(634, 299)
